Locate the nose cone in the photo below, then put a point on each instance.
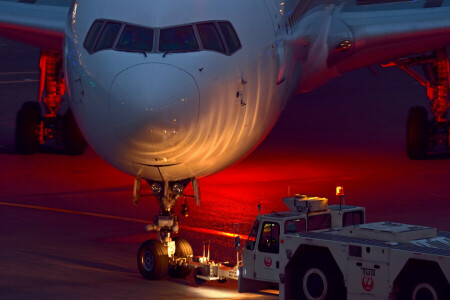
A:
(154, 108)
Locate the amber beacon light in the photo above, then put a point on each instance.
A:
(340, 191)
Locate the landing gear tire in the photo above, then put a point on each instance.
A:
(27, 120)
(319, 280)
(424, 286)
(73, 139)
(152, 260)
(199, 271)
(182, 249)
(417, 134)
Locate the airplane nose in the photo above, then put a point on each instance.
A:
(154, 107)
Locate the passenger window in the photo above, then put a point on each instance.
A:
(210, 37)
(295, 226)
(250, 245)
(230, 36)
(135, 38)
(178, 39)
(270, 235)
(353, 218)
(319, 222)
(108, 36)
(91, 37)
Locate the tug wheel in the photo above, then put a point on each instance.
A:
(199, 271)
(152, 260)
(424, 285)
(27, 120)
(182, 249)
(319, 281)
(417, 132)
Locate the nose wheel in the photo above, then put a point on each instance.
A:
(153, 262)
(167, 255)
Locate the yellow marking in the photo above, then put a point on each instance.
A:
(91, 214)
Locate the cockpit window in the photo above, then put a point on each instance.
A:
(92, 35)
(230, 36)
(210, 37)
(178, 39)
(217, 36)
(135, 38)
(108, 36)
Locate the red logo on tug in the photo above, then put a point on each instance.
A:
(268, 261)
(367, 283)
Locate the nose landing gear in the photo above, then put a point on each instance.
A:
(166, 255)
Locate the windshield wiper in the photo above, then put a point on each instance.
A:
(135, 51)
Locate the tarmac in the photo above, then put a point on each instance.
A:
(69, 229)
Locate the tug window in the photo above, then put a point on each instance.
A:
(135, 38)
(108, 36)
(250, 245)
(92, 35)
(178, 39)
(353, 218)
(319, 222)
(270, 237)
(210, 37)
(295, 226)
(230, 36)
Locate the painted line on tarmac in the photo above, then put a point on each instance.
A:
(98, 215)
(19, 81)
(18, 73)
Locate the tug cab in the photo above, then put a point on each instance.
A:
(261, 254)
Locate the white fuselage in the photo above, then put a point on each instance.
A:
(179, 115)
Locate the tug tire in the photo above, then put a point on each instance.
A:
(318, 279)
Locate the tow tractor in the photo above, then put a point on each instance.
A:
(321, 251)
(208, 270)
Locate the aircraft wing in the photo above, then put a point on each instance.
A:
(36, 22)
(383, 32)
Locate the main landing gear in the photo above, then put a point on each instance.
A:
(166, 255)
(33, 129)
(426, 136)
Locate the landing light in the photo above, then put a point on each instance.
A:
(178, 188)
(156, 188)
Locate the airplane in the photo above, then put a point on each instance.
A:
(171, 91)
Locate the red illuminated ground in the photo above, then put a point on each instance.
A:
(80, 232)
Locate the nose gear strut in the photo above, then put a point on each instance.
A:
(166, 255)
